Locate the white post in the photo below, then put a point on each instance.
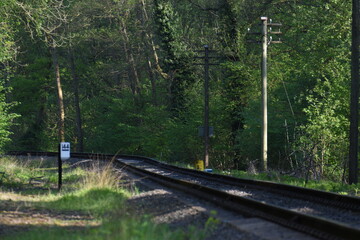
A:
(264, 134)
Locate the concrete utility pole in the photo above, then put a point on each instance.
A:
(264, 129)
(354, 99)
(265, 41)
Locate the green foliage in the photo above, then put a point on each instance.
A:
(308, 91)
(157, 113)
(6, 121)
(147, 130)
(7, 42)
(323, 142)
(137, 132)
(8, 51)
(31, 90)
(177, 58)
(326, 138)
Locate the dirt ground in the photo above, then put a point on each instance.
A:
(18, 214)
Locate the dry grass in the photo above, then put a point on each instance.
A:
(101, 175)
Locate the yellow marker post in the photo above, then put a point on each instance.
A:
(199, 165)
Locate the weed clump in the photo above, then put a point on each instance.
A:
(101, 175)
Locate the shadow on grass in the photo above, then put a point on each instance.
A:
(97, 214)
(52, 232)
(96, 201)
(75, 210)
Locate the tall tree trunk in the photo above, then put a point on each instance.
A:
(134, 76)
(354, 99)
(61, 122)
(79, 130)
(152, 79)
(149, 46)
(149, 37)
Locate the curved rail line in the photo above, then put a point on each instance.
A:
(316, 226)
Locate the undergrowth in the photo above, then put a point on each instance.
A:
(323, 185)
(273, 176)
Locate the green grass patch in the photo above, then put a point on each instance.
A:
(324, 185)
(125, 228)
(272, 176)
(95, 200)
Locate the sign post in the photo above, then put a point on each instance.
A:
(64, 154)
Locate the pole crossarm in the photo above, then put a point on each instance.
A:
(276, 33)
(269, 32)
(275, 24)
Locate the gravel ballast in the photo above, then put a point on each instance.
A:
(182, 211)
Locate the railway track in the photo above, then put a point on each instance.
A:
(320, 214)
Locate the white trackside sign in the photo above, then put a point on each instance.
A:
(64, 151)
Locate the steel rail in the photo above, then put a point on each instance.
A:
(333, 199)
(316, 226)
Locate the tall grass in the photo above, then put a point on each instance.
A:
(19, 171)
(101, 175)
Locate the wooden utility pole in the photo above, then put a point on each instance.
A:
(206, 132)
(354, 99)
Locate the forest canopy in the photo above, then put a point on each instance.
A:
(125, 76)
